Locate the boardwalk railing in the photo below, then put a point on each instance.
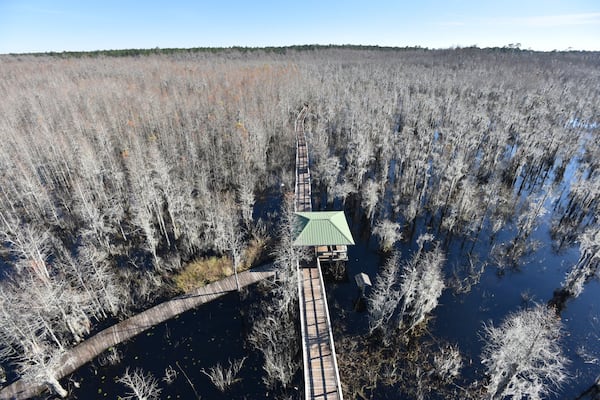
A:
(321, 373)
(303, 330)
(336, 370)
(302, 188)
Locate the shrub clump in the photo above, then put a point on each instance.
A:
(201, 272)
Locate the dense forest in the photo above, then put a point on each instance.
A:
(117, 172)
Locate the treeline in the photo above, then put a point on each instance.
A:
(280, 50)
(114, 171)
(210, 50)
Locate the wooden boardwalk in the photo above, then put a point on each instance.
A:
(303, 193)
(124, 330)
(321, 375)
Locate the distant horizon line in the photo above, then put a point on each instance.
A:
(514, 47)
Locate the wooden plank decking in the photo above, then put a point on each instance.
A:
(332, 253)
(303, 194)
(321, 375)
(124, 330)
(321, 372)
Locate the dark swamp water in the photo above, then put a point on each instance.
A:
(216, 332)
(198, 339)
(458, 319)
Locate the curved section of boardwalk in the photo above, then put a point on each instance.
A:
(321, 375)
(124, 330)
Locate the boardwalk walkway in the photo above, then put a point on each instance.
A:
(321, 376)
(124, 330)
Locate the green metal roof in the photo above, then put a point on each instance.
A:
(319, 228)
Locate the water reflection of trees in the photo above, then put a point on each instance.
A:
(582, 272)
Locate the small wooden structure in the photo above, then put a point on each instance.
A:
(362, 281)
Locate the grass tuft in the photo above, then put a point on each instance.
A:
(254, 253)
(201, 272)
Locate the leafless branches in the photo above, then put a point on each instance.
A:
(587, 266)
(421, 286)
(388, 232)
(523, 356)
(143, 386)
(274, 331)
(409, 291)
(224, 377)
(384, 297)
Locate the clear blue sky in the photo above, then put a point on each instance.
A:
(59, 25)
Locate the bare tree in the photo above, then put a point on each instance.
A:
(40, 365)
(587, 265)
(275, 337)
(246, 198)
(447, 363)
(30, 243)
(370, 198)
(228, 234)
(388, 233)
(326, 173)
(583, 271)
(143, 386)
(27, 340)
(528, 219)
(224, 377)
(384, 297)
(274, 331)
(100, 160)
(421, 285)
(523, 355)
(411, 292)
